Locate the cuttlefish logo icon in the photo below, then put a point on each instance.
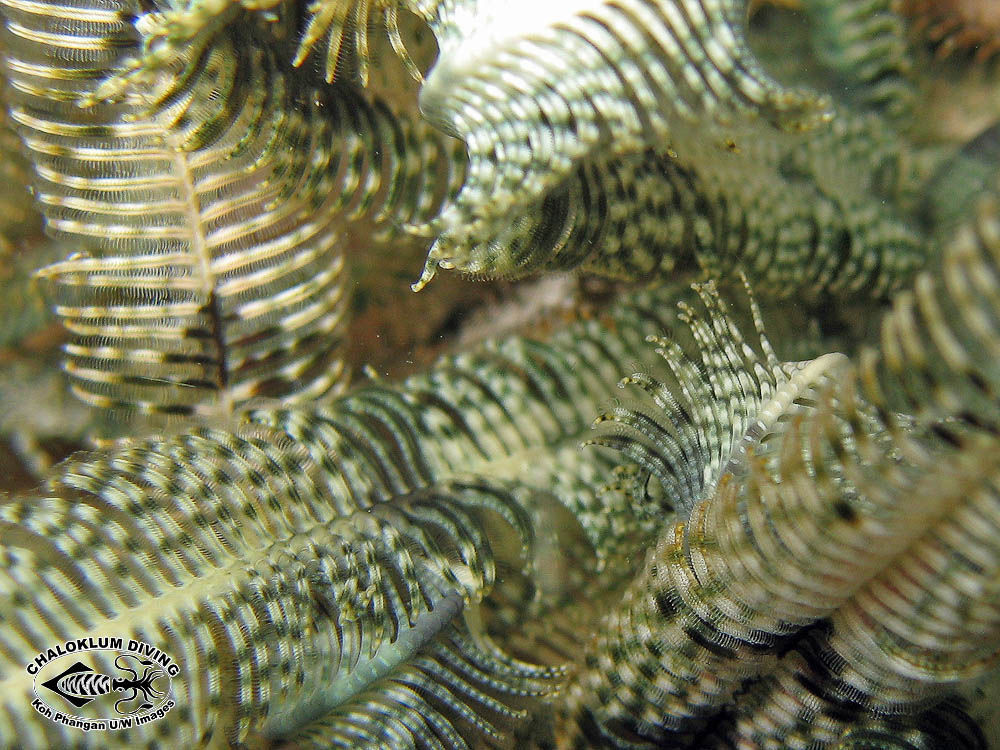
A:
(80, 684)
(103, 683)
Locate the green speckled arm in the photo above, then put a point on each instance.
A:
(267, 558)
(839, 559)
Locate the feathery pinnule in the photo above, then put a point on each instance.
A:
(956, 27)
(865, 44)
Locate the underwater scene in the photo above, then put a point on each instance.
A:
(460, 374)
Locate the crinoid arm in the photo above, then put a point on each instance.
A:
(583, 79)
(317, 571)
(786, 609)
(803, 217)
(207, 210)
